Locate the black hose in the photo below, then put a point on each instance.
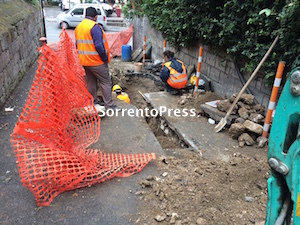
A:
(243, 81)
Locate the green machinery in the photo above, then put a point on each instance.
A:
(284, 157)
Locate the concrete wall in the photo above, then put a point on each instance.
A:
(19, 40)
(219, 70)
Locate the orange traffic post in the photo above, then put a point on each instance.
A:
(273, 98)
(198, 70)
(144, 51)
(164, 49)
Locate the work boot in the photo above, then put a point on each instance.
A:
(99, 108)
(97, 101)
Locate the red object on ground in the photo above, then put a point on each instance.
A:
(57, 124)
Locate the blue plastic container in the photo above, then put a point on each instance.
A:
(126, 53)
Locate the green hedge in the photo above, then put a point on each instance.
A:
(244, 29)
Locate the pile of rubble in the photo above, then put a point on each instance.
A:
(248, 125)
(191, 190)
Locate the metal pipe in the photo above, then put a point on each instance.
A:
(43, 20)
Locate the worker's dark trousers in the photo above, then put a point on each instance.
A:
(102, 74)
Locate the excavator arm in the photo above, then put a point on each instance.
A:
(284, 156)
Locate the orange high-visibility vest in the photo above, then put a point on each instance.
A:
(176, 80)
(88, 56)
(124, 97)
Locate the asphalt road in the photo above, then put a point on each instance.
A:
(53, 30)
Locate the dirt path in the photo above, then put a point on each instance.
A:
(192, 190)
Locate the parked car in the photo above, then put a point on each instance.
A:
(67, 4)
(75, 15)
(107, 7)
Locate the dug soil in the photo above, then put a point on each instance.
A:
(191, 189)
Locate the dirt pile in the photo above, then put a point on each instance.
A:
(192, 190)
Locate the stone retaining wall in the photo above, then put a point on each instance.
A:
(220, 71)
(19, 40)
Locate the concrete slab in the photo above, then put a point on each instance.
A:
(216, 114)
(195, 131)
(111, 202)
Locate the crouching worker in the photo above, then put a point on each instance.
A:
(173, 74)
(119, 94)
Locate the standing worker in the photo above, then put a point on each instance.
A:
(94, 56)
(173, 74)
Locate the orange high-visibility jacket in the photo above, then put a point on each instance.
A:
(176, 80)
(88, 56)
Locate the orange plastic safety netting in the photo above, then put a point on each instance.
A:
(57, 124)
(116, 40)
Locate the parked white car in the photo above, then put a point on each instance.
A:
(107, 7)
(75, 15)
(67, 4)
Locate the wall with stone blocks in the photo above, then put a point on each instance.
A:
(18, 46)
(219, 71)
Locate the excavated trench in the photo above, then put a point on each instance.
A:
(135, 85)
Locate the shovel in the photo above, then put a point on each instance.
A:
(223, 121)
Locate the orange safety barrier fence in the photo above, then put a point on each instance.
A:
(57, 124)
(116, 40)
